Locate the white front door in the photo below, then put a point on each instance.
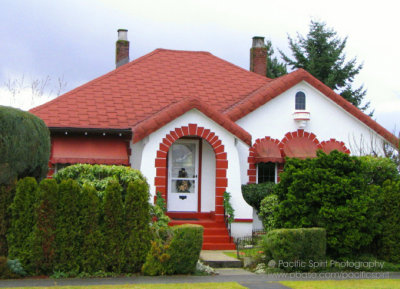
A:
(182, 176)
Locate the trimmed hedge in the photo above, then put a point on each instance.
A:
(334, 192)
(68, 227)
(137, 220)
(24, 145)
(5, 272)
(185, 248)
(7, 194)
(388, 243)
(179, 255)
(253, 194)
(294, 249)
(92, 249)
(20, 236)
(113, 227)
(45, 229)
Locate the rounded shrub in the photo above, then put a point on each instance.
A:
(295, 249)
(268, 211)
(184, 249)
(24, 145)
(253, 194)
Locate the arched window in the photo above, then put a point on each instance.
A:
(300, 101)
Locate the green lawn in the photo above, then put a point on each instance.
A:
(345, 284)
(227, 285)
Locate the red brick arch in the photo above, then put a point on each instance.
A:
(221, 181)
(252, 171)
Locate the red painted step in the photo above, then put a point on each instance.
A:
(215, 236)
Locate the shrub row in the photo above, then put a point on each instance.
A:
(69, 228)
(295, 249)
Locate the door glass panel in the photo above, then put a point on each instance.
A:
(183, 157)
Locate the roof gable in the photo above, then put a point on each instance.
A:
(175, 110)
(279, 85)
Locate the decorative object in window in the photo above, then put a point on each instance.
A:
(300, 101)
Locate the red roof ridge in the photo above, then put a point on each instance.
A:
(182, 50)
(174, 110)
(279, 85)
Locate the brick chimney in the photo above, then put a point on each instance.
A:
(258, 56)
(122, 48)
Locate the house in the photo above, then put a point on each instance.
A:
(196, 126)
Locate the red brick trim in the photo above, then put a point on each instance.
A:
(177, 109)
(252, 171)
(333, 144)
(243, 220)
(307, 137)
(221, 181)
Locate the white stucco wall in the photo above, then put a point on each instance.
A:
(207, 178)
(242, 209)
(136, 153)
(327, 119)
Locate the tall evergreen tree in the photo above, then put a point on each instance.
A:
(321, 53)
(44, 246)
(274, 67)
(137, 225)
(92, 250)
(23, 220)
(68, 227)
(113, 227)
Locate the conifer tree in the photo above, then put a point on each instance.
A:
(68, 231)
(45, 229)
(322, 54)
(113, 227)
(274, 67)
(23, 219)
(92, 250)
(137, 228)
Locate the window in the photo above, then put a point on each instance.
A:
(266, 172)
(300, 101)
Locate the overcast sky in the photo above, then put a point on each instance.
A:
(75, 39)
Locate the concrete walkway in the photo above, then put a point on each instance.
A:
(243, 277)
(217, 259)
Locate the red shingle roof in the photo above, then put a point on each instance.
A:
(140, 89)
(140, 95)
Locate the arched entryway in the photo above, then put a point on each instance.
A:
(192, 131)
